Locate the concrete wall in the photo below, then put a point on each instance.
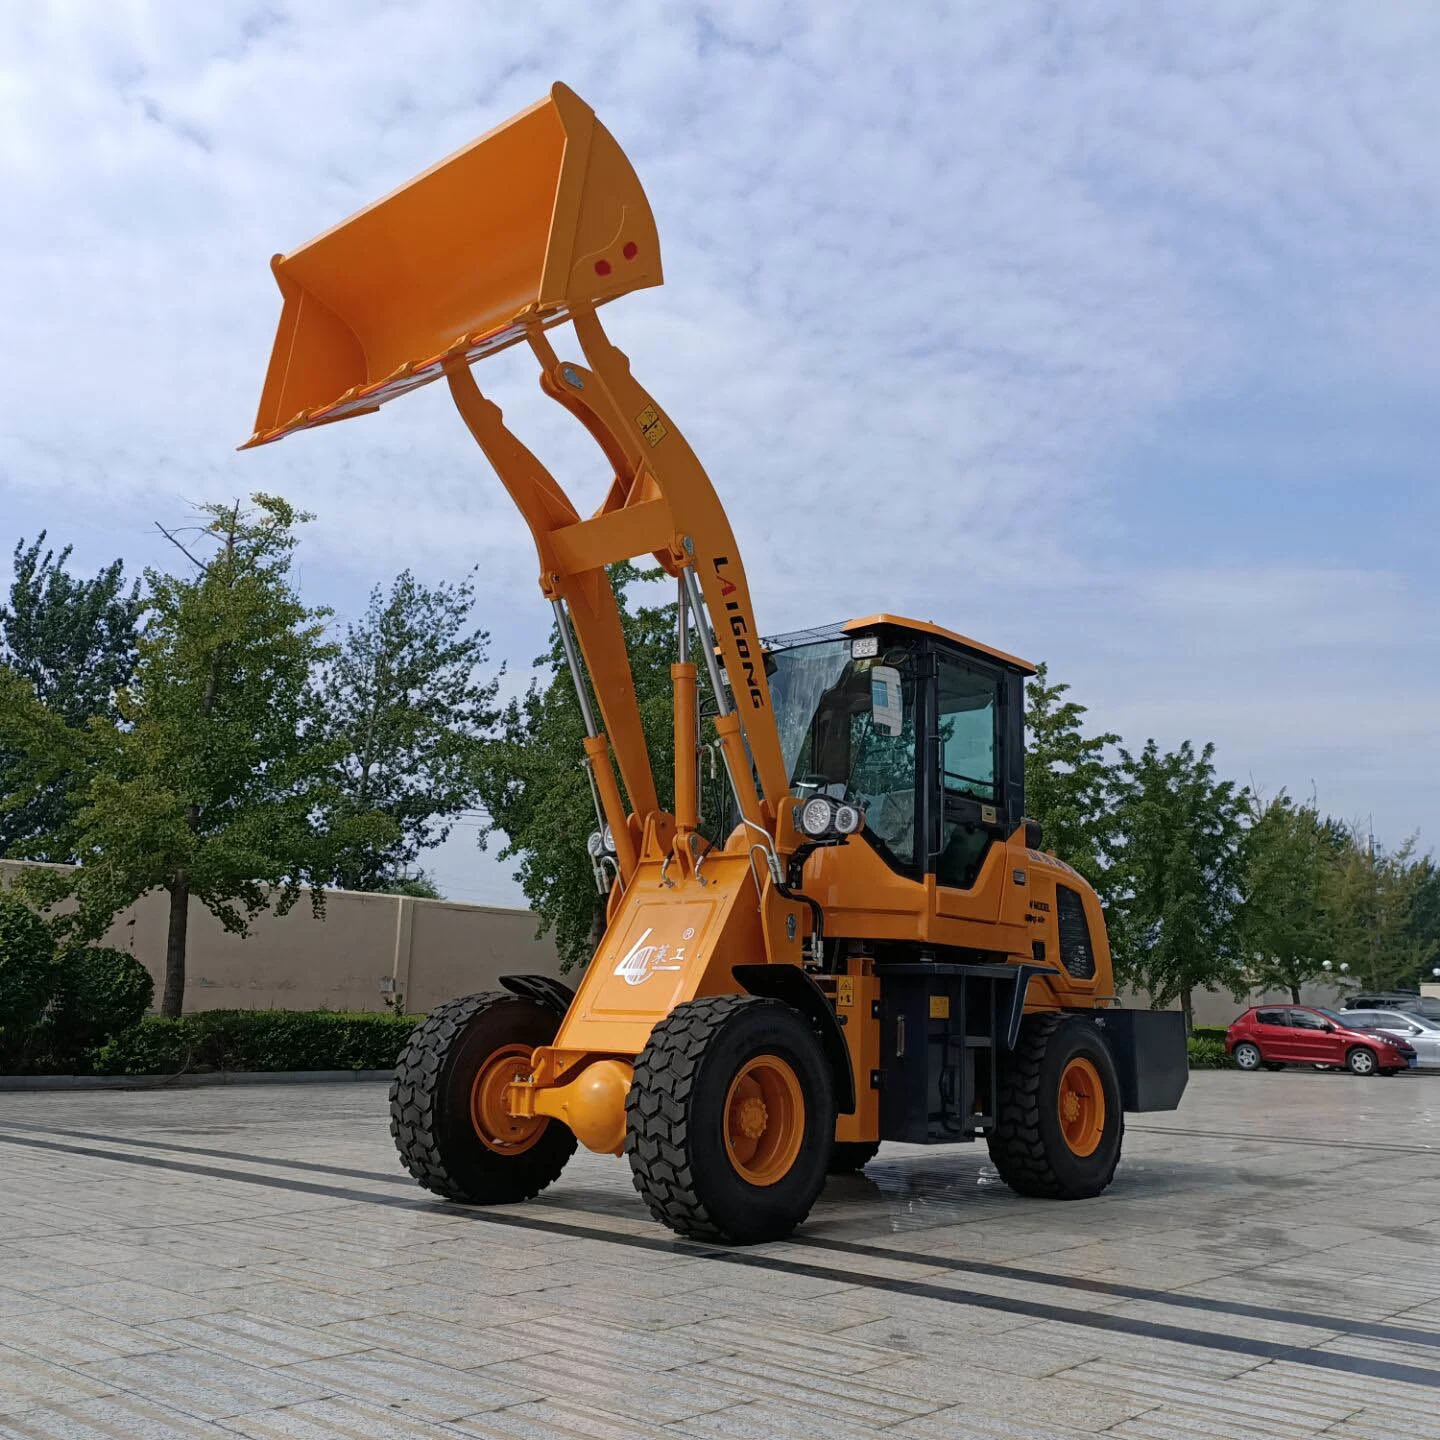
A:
(427, 950)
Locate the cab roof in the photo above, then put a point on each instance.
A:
(926, 627)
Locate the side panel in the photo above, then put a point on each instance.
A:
(666, 943)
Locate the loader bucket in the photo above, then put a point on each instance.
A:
(540, 216)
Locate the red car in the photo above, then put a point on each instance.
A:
(1279, 1035)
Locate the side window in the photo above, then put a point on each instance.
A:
(1304, 1020)
(968, 704)
(1271, 1017)
(968, 761)
(1076, 953)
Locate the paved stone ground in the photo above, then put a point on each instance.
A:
(250, 1262)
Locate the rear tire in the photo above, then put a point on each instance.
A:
(1362, 1061)
(1059, 1122)
(446, 1102)
(730, 1119)
(849, 1156)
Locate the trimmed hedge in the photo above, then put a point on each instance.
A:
(1208, 1053)
(1209, 1032)
(27, 979)
(257, 1040)
(99, 993)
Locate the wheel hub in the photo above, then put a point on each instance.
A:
(764, 1120)
(1081, 1106)
(753, 1117)
(490, 1115)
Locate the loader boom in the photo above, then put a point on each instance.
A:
(540, 221)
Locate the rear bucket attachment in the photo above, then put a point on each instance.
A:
(539, 217)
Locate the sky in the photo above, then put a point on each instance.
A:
(1102, 333)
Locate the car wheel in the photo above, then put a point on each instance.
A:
(1247, 1056)
(1361, 1061)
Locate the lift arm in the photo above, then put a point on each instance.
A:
(539, 222)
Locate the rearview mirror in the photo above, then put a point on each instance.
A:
(887, 703)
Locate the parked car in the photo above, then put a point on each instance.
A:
(1279, 1035)
(1407, 1000)
(1419, 1032)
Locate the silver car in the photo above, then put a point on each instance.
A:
(1422, 1033)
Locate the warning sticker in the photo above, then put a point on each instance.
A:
(652, 427)
(939, 1007)
(845, 990)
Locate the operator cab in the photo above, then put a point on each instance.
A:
(918, 727)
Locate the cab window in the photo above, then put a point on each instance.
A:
(846, 754)
(968, 705)
(968, 761)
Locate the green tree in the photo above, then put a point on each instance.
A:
(1178, 872)
(73, 640)
(1377, 913)
(1425, 915)
(212, 783)
(408, 709)
(1288, 922)
(534, 787)
(1069, 784)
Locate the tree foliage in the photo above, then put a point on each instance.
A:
(408, 710)
(1179, 870)
(1377, 907)
(73, 642)
(1069, 782)
(213, 780)
(1289, 916)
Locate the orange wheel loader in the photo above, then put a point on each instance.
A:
(879, 949)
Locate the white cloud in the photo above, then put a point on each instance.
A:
(933, 272)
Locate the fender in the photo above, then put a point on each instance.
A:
(792, 985)
(543, 989)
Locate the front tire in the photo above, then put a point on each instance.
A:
(447, 1102)
(848, 1157)
(1362, 1061)
(1247, 1056)
(1059, 1121)
(730, 1119)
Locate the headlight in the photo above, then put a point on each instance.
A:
(609, 839)
(817, 816)
(847, 819)
(595, 845)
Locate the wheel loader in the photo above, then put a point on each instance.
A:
(876, 946)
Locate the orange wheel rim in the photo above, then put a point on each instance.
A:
(764, 1120)
(1082, 1106)
(490, 1115)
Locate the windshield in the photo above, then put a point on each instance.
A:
(825, 710)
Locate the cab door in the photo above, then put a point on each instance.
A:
(966, 777)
